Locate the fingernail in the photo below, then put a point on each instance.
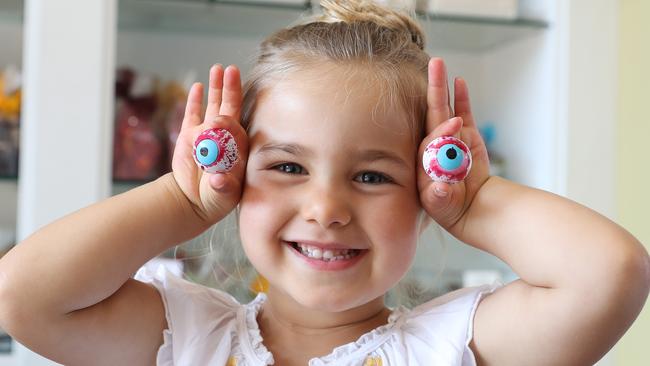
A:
(221, 182)
(440, 193)
(454, 120)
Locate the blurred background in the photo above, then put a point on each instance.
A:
(92, 95)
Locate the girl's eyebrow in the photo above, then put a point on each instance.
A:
(363, 155)
(293, 149)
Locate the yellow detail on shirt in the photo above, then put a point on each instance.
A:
(259, 284)
(232, 361)
(373, 361)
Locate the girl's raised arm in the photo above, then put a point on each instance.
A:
(583, 278)
(66, 291)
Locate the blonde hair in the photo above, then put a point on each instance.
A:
(356, 33)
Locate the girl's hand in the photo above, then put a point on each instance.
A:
(212, 196)
(448, 203)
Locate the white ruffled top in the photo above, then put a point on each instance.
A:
(210, 327)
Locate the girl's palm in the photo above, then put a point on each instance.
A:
(447, 203)
(212, 196)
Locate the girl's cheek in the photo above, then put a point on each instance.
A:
(403, 229)
(254, 209)
(262, 204)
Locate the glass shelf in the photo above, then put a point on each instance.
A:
(117, 186)
(259, 18)
(472, 34)
(239, 19)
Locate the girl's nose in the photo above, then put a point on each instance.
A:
(327, 207)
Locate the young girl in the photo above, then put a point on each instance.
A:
(331, 197)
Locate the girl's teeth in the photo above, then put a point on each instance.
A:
(326, 255)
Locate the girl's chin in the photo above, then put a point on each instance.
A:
(328, 300)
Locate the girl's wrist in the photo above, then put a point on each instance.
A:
(188, 216)
(463, 228)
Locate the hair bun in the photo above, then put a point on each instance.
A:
(352, 11)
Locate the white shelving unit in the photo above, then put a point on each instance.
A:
(546, 80)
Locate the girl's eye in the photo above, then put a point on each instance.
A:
(367, 177)
(289, 168)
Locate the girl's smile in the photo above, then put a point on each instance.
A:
(326, 258)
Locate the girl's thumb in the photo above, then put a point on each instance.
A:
(438, 201)
(221, 197)
(441, 204)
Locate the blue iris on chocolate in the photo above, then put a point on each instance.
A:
(207, 152)
(450, 157)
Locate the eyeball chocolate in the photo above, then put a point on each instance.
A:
(447, 159)
(215, 150)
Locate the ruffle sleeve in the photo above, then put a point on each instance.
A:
(442, 329)
(201, 320)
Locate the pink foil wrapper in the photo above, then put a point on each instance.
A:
(436, 171)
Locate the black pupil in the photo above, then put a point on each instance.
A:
(369, 179)
(204, 151)
(452, 154)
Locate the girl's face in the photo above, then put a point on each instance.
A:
(323, 169)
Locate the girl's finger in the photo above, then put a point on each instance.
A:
(194, 107)
(215, 90)
(232, 93)
(438, 109)
(462, 103)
